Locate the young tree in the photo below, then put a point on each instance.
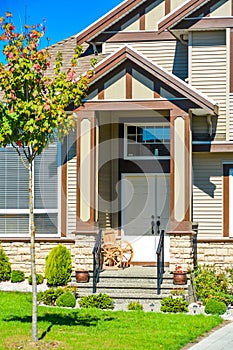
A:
(33, 107)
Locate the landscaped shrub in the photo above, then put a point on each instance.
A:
(66, 300)
(73, 289)
(49, 296)
(5, 266)
(170, 304)
(135, 305)
(210, 283)
(215, 307)
(99, 301)
(39, 279)
(17, 276)
(58, 266)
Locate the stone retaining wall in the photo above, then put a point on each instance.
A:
(19, 253)
(218, 253)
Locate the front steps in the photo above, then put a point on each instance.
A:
(135, 283)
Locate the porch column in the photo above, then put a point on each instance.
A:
(181, 234)
(85, 197)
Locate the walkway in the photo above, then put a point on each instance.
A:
(222, 339)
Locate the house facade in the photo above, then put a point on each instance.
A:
(153, 143)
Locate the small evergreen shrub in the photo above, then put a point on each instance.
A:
(66, 299)
(99, 301)
(215, 307)
(58, 266)
(170, 304)
(72, 289)
(5, 266)
(49, 296)
(135, 305)
(17, 276)
(39, 279)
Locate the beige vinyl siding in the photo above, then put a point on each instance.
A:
(176, 3)
(153, 14)
(208, 70)
(231, 116)
(219, 11)
(132, 24)
(167, 54)
(208, 193)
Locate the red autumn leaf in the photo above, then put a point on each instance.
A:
(18, 143)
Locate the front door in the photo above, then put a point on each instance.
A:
(145, 200)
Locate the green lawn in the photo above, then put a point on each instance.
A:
(83, 329)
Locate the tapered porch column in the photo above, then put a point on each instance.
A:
(181, 234)
(85, 196)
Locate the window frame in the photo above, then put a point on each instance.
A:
(152, 124)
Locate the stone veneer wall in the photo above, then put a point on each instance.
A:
(84, 244)
(181, 251)
(19, 253)
(215, 252)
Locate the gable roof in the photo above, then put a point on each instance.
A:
(108, 19)
(127, 52)
(179, 13)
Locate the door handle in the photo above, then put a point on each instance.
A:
(158, 225)
(152, 225)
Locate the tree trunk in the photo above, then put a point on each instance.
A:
(33, 257)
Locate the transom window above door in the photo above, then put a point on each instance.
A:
(147, 140)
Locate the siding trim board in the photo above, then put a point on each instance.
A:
(231, 59)
(87, 226)
(226, 199)
(167, 6)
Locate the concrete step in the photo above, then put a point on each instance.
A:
(134, 283)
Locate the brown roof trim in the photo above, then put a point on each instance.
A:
(169, 79)
(207, 23)
(213, 147)
(108, 19)
(175, 16)
(139, 36)
(135, 105)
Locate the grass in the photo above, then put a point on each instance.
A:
(92, 329)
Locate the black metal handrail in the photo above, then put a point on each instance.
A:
(97, 260)
(160, 261)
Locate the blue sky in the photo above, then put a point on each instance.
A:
(63, 18)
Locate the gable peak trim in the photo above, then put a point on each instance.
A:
(179, 13)
(107, 20)
(127, 52)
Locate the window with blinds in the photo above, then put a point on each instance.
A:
(14, 198)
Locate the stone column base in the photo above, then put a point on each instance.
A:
(181, 250)
(84, 244)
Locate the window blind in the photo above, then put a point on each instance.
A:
(14, 198)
